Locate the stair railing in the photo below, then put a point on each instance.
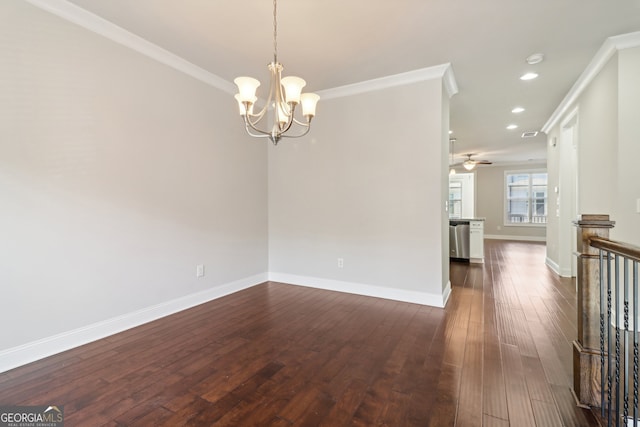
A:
(606, 371)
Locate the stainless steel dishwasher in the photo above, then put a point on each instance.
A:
(459, 239)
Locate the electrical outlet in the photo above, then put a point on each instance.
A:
(499, 228)
(200, 270)
(340, 262)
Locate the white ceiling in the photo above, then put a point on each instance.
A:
(332, 43)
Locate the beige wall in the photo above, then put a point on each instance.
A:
(368, 186)
(553, 178)
(443, 178)
(627, 171)
(118, 175)
(597, 141)
(595, 117)
(608, 135)
(490, 203)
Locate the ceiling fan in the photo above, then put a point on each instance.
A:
(470, 163)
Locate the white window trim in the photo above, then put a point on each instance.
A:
(504, 197)
(459, 184)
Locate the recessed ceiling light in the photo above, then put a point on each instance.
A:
(536, 58)
(517, 110)
(450, 132)
(528, 76)
(512, 127)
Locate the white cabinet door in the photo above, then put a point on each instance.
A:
(476, 241)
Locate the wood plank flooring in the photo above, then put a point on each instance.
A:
(281, 355)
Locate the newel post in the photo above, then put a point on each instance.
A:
(586, 348)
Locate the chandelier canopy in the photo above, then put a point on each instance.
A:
(284, 96)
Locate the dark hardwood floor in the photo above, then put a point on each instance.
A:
(280, 355)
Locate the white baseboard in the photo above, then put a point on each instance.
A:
(446, 293)
(563, 272)
(552, 265)
(30, 352)
(517, 238)
(423, 298)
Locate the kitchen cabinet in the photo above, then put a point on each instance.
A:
(476, 241)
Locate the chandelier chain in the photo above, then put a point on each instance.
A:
(275, 32)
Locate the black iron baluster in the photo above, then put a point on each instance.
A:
(616, 325)
(602, 316)
(635, 344)
(625, 413)
(609, 344)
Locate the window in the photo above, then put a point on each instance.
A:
(526, 198)
(455, 200)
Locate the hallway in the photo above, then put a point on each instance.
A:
(514, 320)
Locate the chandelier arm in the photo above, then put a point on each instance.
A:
(307, 129)
(257, 135)
(250, 126)
(306, 125)
(256, 117)
(281, 132)
(260, 113)
(290, 119)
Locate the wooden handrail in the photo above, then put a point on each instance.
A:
(618, 248)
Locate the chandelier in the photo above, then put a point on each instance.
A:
(284, 96)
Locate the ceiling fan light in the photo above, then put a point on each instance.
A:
(469, 164)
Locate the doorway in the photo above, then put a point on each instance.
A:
(462, 198)
(568, 195)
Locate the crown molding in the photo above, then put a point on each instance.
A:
(449, 79)
(609, 48)
(92, 22)
(99, 25)
(443, 71)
